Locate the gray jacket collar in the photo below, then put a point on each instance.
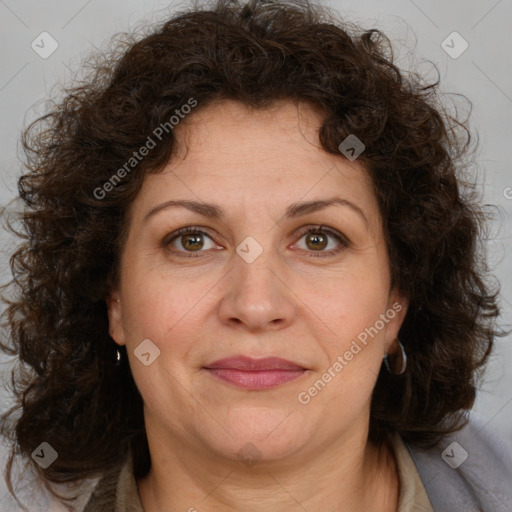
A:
(469, 471)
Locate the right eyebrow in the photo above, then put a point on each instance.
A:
(205, 209)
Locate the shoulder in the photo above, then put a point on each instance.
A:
(468, 470)
(104, 497)
(117, 490)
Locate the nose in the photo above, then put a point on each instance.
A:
(256, 295)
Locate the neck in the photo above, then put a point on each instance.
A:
(350, 475)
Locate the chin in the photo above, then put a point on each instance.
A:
(269, 435)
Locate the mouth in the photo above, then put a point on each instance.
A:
(248, 373)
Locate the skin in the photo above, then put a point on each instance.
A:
(254, 164)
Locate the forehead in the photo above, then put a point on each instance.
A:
(236, 136)
(230, 154)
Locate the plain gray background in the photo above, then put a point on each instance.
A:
(482, 73)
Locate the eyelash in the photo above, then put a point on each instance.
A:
(344, 242)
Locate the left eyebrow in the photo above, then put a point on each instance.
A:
(303, 208)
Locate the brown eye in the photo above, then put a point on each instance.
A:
(187, 241)
(192, 242)
(316, 241)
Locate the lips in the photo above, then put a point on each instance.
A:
(248, 373)
(248, 363)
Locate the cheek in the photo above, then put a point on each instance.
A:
(352, 300)
(350, 309)
(158, 303)
(353, 347)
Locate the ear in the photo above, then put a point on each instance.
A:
(116, 330)
(398, 304)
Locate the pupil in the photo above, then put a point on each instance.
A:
(189, 241)
(318, 240)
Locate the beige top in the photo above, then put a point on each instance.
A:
(412, 497)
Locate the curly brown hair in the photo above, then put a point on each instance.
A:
(69, 391)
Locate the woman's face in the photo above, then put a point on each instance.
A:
(250, 281)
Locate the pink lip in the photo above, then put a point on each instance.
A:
(248, 363)
(249, 373)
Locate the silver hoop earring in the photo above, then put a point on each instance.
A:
(397, 364)
(118, 357)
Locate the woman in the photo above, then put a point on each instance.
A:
(251, 279)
